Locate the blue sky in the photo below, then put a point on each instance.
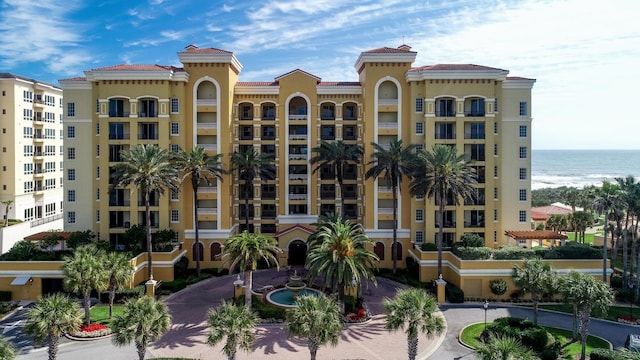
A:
(583, 53)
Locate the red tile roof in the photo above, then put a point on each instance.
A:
(387, 50)
(339, 83)
(295, 227)
(74, 79)
(297, 70)
(192, 49)
(43, 235)
(451, 67)
(535, 235)
(256, 83)
(543, 212)
(138, 67)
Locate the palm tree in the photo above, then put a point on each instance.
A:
(316, 319)
(443, 174)
(120, 272)
(588, 295)
(84, 272)
(7, 351)
(536, 278)
(7, 207)
(200, 168)
(393, 163)
(143, 320)
(52, 317)
(236, 323)
(580, 221)
(607, 199)
(341, 255)
(148, 168)
(251, 164)
(571, 197)
(336, 155)
(631, 196)
(244, 250)
(415, 311)
(504, 348)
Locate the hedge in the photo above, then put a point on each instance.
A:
(606, 354)
(454, 294)
(472, 253)
(574, 250)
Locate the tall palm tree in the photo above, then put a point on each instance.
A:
(7, 207)
(571, 197)
(149, 169)
(200, 168)
(607, 198)
(341, 254)
(441, 174)
(580, 221)
(7, 351)
(52, 317)
(414, 311)
(631, 197)
(393, 164)
(336, 155)
(244, 250)
(504, 348)
(143, 320)
(316, 319)
(236, 323)
(588, 295)
(84, 272)
(250, 164)
(536, 278)
(120, 273)
(557, 222)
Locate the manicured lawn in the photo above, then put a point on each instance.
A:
(613, 313)
(100, 314)
(588, 238)
(471, 334)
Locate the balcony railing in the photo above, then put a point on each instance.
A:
(385, 189)
(298, 137)
(208, 211)
(207, 190)
(388, 125)
(474, 135)
(474, 113)
(385, 211)
(298, 176)
(116, 114)
(387, 101)
(298, 157)
(300, 197)
(119, 136)
(207, 125)
(298, 117)
(209, 146)
(445, 113)
(206, 102)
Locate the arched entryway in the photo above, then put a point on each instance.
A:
(297, 253)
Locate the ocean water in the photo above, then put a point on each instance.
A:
(577, 168)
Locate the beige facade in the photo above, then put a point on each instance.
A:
(479, 109)
(31, 151)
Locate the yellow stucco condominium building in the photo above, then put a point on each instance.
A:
(479, 109)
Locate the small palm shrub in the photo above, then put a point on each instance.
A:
(498, 286)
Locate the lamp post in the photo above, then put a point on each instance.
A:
(485, 306)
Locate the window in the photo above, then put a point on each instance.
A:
(523, 108)
(523, 194)
(495, 193)
(147, 108)
(175, 106)
(71, 132)
(419, 237)
(495, 149)
(175, 215)
(71, 174)
(175, 128)
(419, 105)
(495, 236)
(71, 217)
(28, 169)
(97, 216)
(147, 131)
(444, 107)
(27, 96)
(175, 148)
(28, 186)
(523, 174)
(97, 172)
(97, 106)
(71, 112)
(27, 150)
(495, 105)
(495, 171)
(523, 152)
(419, 148)
(175, 195)
(71, 153)
(98, 150)
(523, 131)
(27, 132)
(28, 214)
(495, 128)
(98, 194)
(495, 214)
(97, 129)
(27, 114)
(71, 195)
(419, 128)
(522, 216)
(419, 215)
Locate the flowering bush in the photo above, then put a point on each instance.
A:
(92, 330)
(627, 320)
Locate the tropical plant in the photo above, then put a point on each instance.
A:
(414, 311)
(236, 323)
(631, 197)
(607, 198)
(7, 351)
(498, 286)
(315, 319)
(250, 164)
(442, 174)
(571, 196)
(149, 169)
(84, 272)
(200, 168)
(244, 250)
(580, 221)
(80, 238)
(503, 348)
(336, 155)
(7, 207)
(588, 296)
(557, 222)
(143, 320)
(536, 278)
(393, 164)
(135, 237)
(50, 241)
(120, 273)
(52, 317)
(341, 254)
(163, 238)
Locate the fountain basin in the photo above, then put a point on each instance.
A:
(286, 298)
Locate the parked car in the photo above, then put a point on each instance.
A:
(633, 342)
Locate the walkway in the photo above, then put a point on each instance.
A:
(188, 335)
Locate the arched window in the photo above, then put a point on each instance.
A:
(193, 254)
(398, 246)
(216, 250)
(379, 250)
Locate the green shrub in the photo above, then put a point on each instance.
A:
(413, 268)
(498, 286)
(472, 253)
(20, 251)
(454, 293)
(602, 354)
(513, 253)
(429, 247)
(5, 295)
(550, 354)
(349, 303)
(124, 294)
(574, 250)
(536, 338)
(616, 281)
(472, 240)
(174, 286)
(264, 311)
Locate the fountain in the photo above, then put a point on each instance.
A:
(287, 296)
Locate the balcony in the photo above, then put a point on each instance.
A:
(206, 102)
(298, 117)
(125, 136)
(208, 211)
(385, 189)
(298, 197)
(298, 137)
(303, 177)
(210, 147)
(385, 211)
(388, 125)
(387, 102)
(116, 114)
(304, 157)
(207, 125)
(328, 194)
(208, 190)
